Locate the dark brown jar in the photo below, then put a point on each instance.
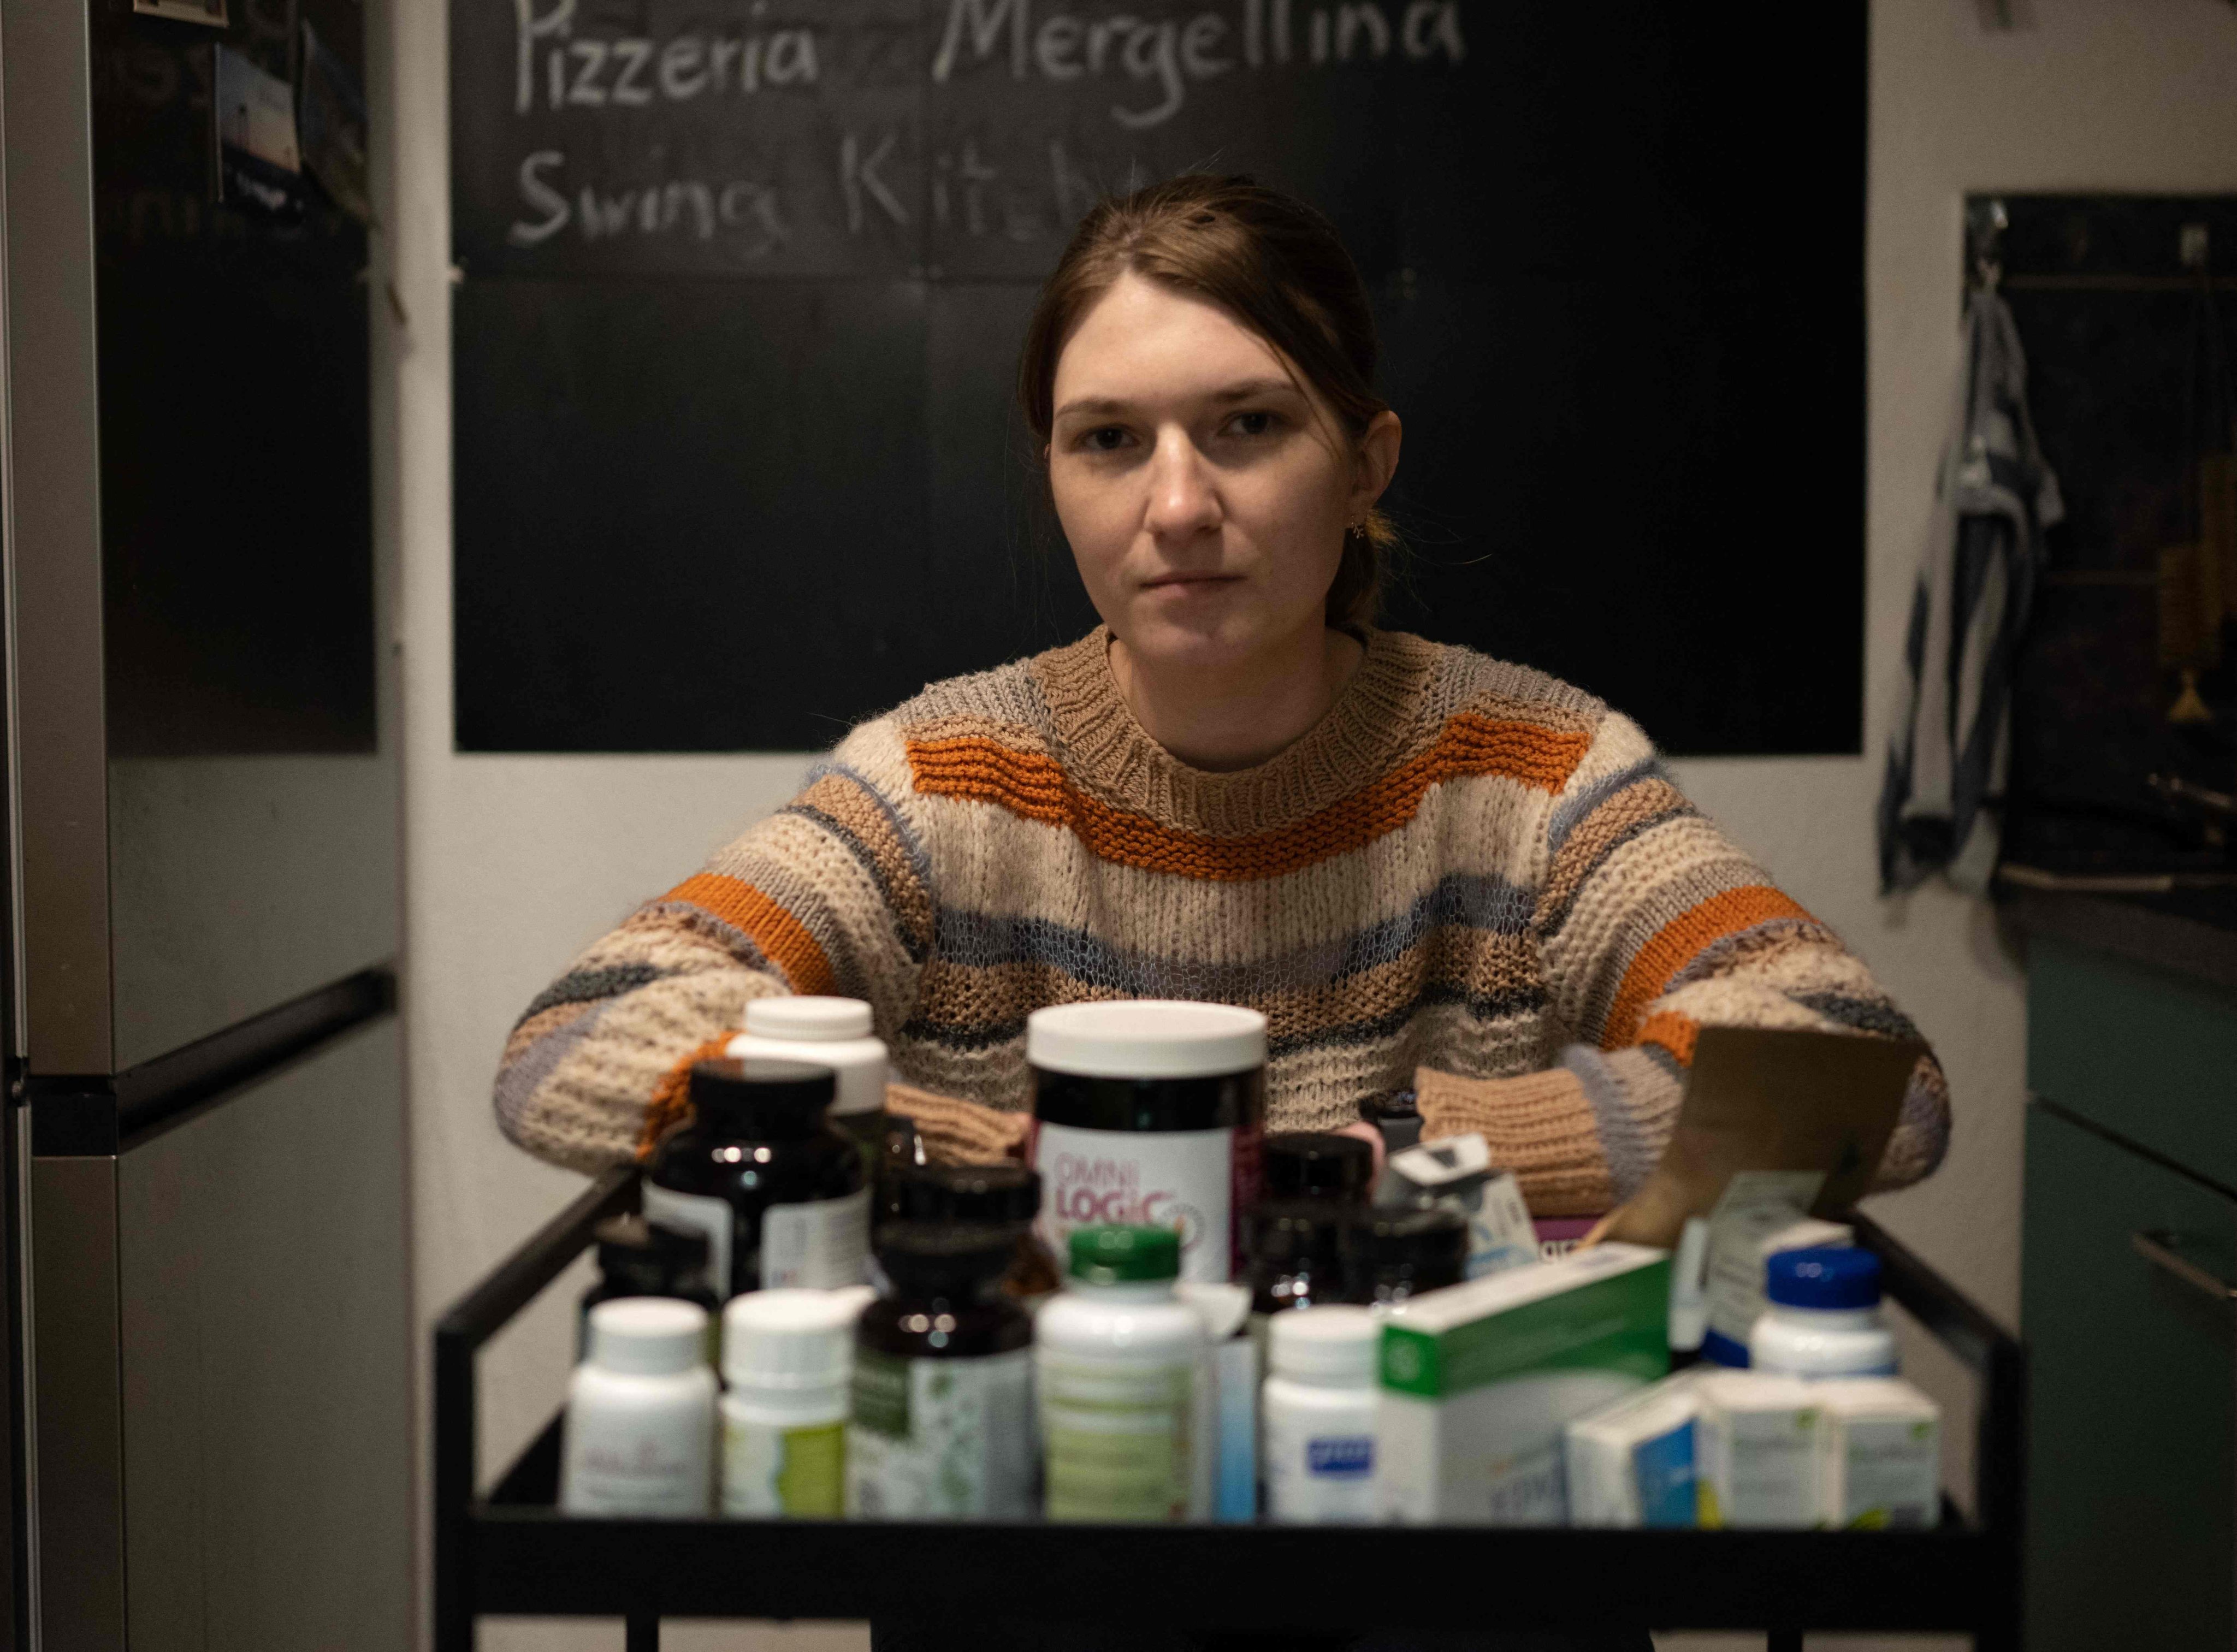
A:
(941, 1418)
(1317, 1164)
(1295, 1256)
(1390, 1255)
(995, 1196)
(781, 1197)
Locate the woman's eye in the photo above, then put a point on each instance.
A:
(1108, 439)
(1254, 423)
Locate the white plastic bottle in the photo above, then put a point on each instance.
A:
(830, 1031)
(1319, 1411)
(1125, 1395)
(1823, 1316)
(640, 1429)
(788, 1356)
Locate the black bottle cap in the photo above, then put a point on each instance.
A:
(1312, 1164)
(1429, 1247)
(762, 1092)
(925, 1254)
(993, 1195)
(1307, 1233)
(649, 1257)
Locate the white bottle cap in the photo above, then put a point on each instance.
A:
(788, 1339)
(834, 1033)
(814, 1019)
(648, 1336)
(1148, 1038)
(1335, 1342)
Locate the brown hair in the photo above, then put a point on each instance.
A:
(1274, 264)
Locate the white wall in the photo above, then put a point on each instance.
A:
(513, 862)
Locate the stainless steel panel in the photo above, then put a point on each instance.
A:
(268, 1366)
(53, 533)
(241, 883)
(79, 1454)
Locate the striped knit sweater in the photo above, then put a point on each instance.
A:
(1467, 877)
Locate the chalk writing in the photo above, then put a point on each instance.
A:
(636, 70)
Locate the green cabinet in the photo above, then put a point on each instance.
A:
(2132, 1534)
(2130, 1234)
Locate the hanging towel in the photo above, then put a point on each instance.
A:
(1994, 498)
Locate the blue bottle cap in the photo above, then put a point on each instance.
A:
(1832, 1278)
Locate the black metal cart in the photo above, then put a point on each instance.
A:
(512, 1551)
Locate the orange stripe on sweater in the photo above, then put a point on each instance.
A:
(1674, 1032)
(776, 931)
(1678, 942)
(671, 1097)
(1034, 786)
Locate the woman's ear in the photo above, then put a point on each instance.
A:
(1378, 462)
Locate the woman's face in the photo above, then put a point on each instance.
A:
(1204, 494)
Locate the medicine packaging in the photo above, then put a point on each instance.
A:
(1880, 1454)
(1757, 1443)
(1477, 1381)
(1631, 1462)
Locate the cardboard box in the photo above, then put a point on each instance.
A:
(1479, 1379)
(1880, 1454)
(1631, 1464)
(1758, 1446)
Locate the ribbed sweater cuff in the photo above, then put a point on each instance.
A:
(957, 1132)
(1538, 1125)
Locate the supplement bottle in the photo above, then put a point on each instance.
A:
(1319, 1411)
(1002, 1196)
(1313, 1164)
(1297, 1256)
(1823, 1318)
(640, 1427)
(836, 1032)
(787, 1357)
(779, 1193)
(1118, 1366)
(942, 1426)
(1392, 1255)
(641, 1258)
(1150, 1112)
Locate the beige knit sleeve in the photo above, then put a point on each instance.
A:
(1651, 924)
(832, 894)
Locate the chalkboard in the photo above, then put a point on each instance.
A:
(743, 283)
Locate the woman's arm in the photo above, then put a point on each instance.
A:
(832, 894)
(1651, 924)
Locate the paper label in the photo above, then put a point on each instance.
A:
(1501, 1235)
(822, 1243)
(1882, 1471)
(1120, 1438)
(1755, 1206)
(941, 1438)
(1181, 1178)
(621, 1463)
(697, 1214)
(1320, 1470)
(770, 1469)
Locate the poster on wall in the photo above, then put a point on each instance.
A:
(742, 284)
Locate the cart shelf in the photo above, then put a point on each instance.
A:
(510, 1551)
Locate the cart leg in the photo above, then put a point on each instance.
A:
(1777, 1641)
(642, 1634)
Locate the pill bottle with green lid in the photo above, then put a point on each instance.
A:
(781, 1195)
(1119, 1368)
(941, 1426)
(787, 1357)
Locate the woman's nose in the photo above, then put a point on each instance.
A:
(1182, 501)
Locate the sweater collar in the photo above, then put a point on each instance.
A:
(1109, 755)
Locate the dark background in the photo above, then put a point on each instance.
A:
(2120, 357)
(735, 493)
(236, 501)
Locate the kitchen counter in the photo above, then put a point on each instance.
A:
(2189, 931)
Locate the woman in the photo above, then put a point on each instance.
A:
(1429, 869)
